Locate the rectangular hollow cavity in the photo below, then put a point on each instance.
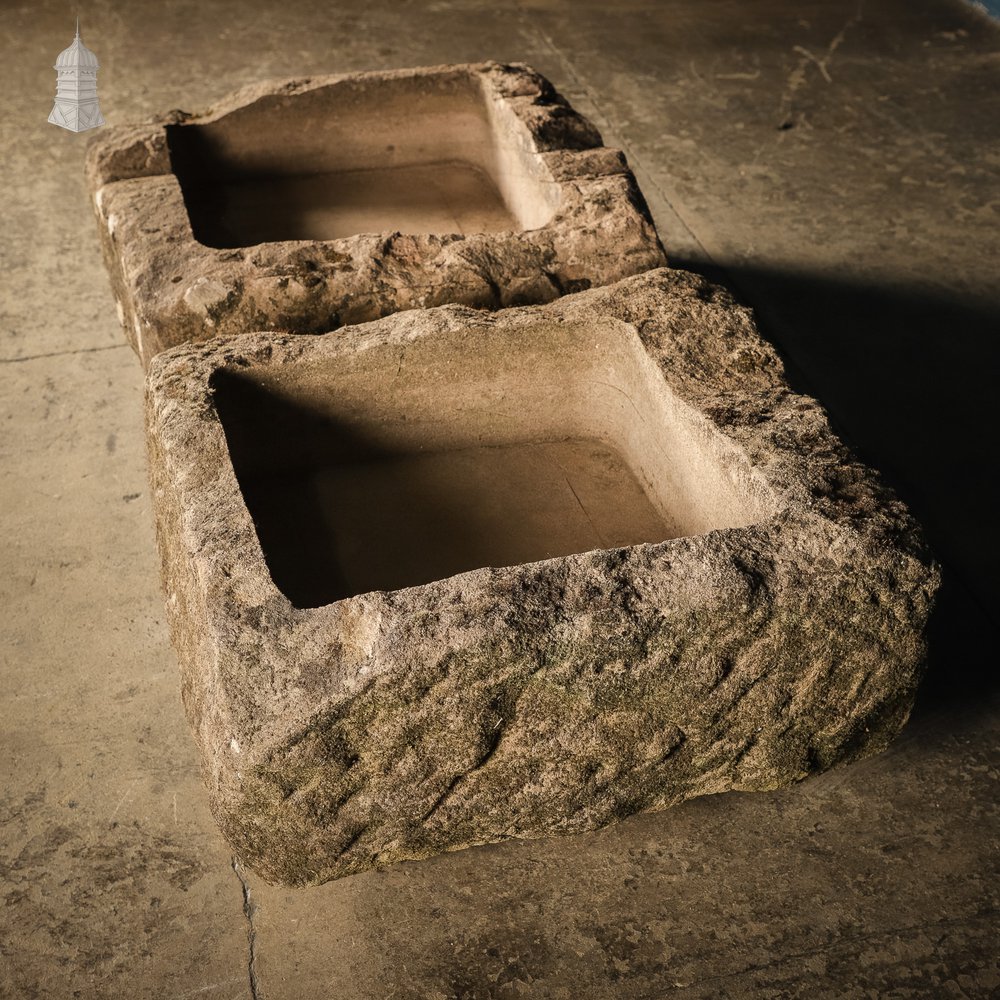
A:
(390, 466)
(417, 154)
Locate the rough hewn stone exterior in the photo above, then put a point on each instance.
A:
(172, 289)
(557, 696)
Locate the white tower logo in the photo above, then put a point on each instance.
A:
(76, 88)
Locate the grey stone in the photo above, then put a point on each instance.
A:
(306, 204)
(700, 588)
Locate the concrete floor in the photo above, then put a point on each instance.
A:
(839, 164)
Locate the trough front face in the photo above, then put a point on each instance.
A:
(307, 204)
(453, 577)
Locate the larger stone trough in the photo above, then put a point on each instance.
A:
(305, 204)
(453, 577)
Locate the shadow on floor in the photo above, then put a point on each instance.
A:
(909, 377)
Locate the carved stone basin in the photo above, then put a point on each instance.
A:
(306, 204)
(453, 577)
(417, 153)
(389, 466)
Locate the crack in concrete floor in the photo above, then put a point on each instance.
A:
(249, 911)
(60, 354)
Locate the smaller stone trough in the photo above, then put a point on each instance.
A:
(306, 204)
(453, 577)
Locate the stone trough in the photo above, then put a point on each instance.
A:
(307, 204)
(453, 576)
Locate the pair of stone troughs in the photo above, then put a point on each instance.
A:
(446, 576)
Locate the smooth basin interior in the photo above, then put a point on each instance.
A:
(420, 154)
(390, 466)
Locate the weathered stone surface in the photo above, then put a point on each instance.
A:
(778, 634)
(310, 203)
